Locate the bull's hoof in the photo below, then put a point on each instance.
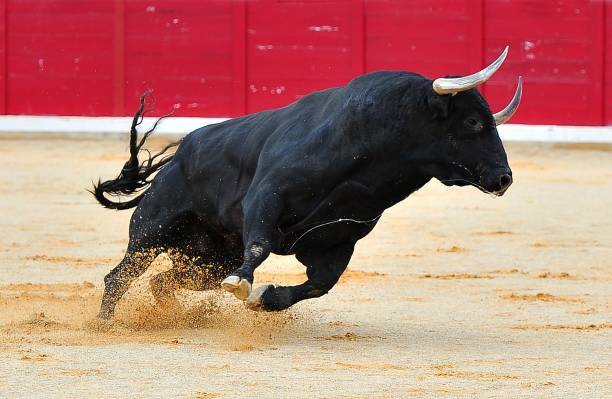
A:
(238, 286)
(255, 300)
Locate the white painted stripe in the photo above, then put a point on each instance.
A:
(558, 134)
(97, 124)
(183, 125)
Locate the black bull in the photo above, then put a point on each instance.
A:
(309, 179)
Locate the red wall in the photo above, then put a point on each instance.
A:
(191, 52)
(558, 47)
(3, 57)
(435, 38)
(59, 57)
(227, 58)
(295, 47)
(607, 103)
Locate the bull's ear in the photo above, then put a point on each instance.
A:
(438, 104)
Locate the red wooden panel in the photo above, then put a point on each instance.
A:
(2, 56)
(239, 21)
(295, 47)
(119, 57)
(59, 57)
(607, 102)
(224, 58)
(183, 50)
(558, 47)
(430, 38)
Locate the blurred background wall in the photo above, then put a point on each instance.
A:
(228, 58)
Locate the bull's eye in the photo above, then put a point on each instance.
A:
(474, 124)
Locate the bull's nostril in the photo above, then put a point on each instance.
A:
(505, 180)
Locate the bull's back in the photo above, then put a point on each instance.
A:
(219, 161)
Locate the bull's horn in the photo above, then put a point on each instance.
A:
(455, 85)
(505, 114)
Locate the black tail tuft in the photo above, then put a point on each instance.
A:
(135, 175)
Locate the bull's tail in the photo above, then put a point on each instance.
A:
(135, 175)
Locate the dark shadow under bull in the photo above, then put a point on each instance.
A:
(309, 179)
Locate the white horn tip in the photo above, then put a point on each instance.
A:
(454, 85)
(505, 114)
(504, 54)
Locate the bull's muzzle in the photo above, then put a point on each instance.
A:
(505, 181)
(498, 181)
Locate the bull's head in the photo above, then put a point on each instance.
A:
(468, 148)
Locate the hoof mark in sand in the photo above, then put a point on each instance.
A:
(577, 327)
(453, 276)
(349, 336)
(204, 395)
(69, 260)
(453, 249)
(586, 311)
(494, 233)
(472, 375)
(241, 347)
(371, 366)
(562, 275)
(34, 358)
(358, 275)
(541, 297)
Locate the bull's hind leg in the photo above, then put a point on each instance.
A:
(323, 268)
(188, 272)
(158, 221)
(184, 273)
(117, 282)
(199, 265)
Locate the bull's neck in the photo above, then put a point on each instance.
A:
(390, 180)
(393, 186)
(383, 163)
(393, 172)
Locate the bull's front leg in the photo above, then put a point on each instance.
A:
(323, 269)
(261, 212)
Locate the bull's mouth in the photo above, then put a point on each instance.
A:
(460, 175)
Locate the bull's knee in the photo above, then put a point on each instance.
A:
(254, 254)
(240, 281)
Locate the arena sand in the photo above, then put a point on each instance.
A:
(455, 294)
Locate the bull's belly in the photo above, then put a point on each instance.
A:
(324, 235)
(347, 214)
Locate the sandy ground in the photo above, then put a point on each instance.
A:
(455, 294)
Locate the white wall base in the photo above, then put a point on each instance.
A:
(182, 126)
(97, 124)
(556, 134)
